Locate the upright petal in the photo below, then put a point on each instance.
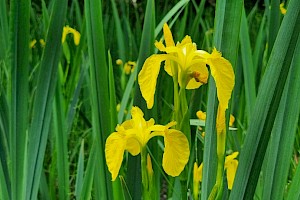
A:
(114, 151)
(231, 165)
(133, 146)
(231, 171)
(168, 36)
(148, 76)
(177, 152)
(222, 72)
(221, 119)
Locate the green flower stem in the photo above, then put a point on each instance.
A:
(145, 181)
(184, 115)
(221, 140)
(181, 116)
(217, 190)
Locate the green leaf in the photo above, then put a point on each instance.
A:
(61, 144)
(19, 63)
(42, 107)
(80, 171)
(4, 31)
(248, 69)
(265, 110)
(226, 38)
(99, 90)
(294, 192)
(89, 174)
(283, 134)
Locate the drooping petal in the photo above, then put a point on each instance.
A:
(176, 153)
(114, 151)
(223, 74)
(148, 76)
(168, 36)
(231, 171)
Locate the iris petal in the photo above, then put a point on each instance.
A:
(148, 76)
(176, 153)
(114, 150)
(231, 171)
(168, 36)
(222, 72)
(133, 146)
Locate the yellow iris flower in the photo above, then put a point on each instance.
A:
(189, 64)
(230, 166)
(282, 9)
(76, 35)
(133, 135)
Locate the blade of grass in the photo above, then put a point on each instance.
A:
(19, 60)
(99, 95)
(248, 69)
(181, 4)
(4, 138)
(274, 23)
(3, 184)
(288, 131)
(226, 38)
(42, 107)
(294, 192)
(260, 44)
(61, 144)
(88, 179)
(4, 31)
(119, 32)
(80, 172)
(44, 190)
(266, 106)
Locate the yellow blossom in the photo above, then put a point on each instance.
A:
(133, 135)
(231, 120)
(197, 178)
(149, 166)
(282, 9)
(230, 166)
(32, 43)
(42, 42)
(129, 67)
(119, 62)
(201, 115)
(76, 35)
(189, 64)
